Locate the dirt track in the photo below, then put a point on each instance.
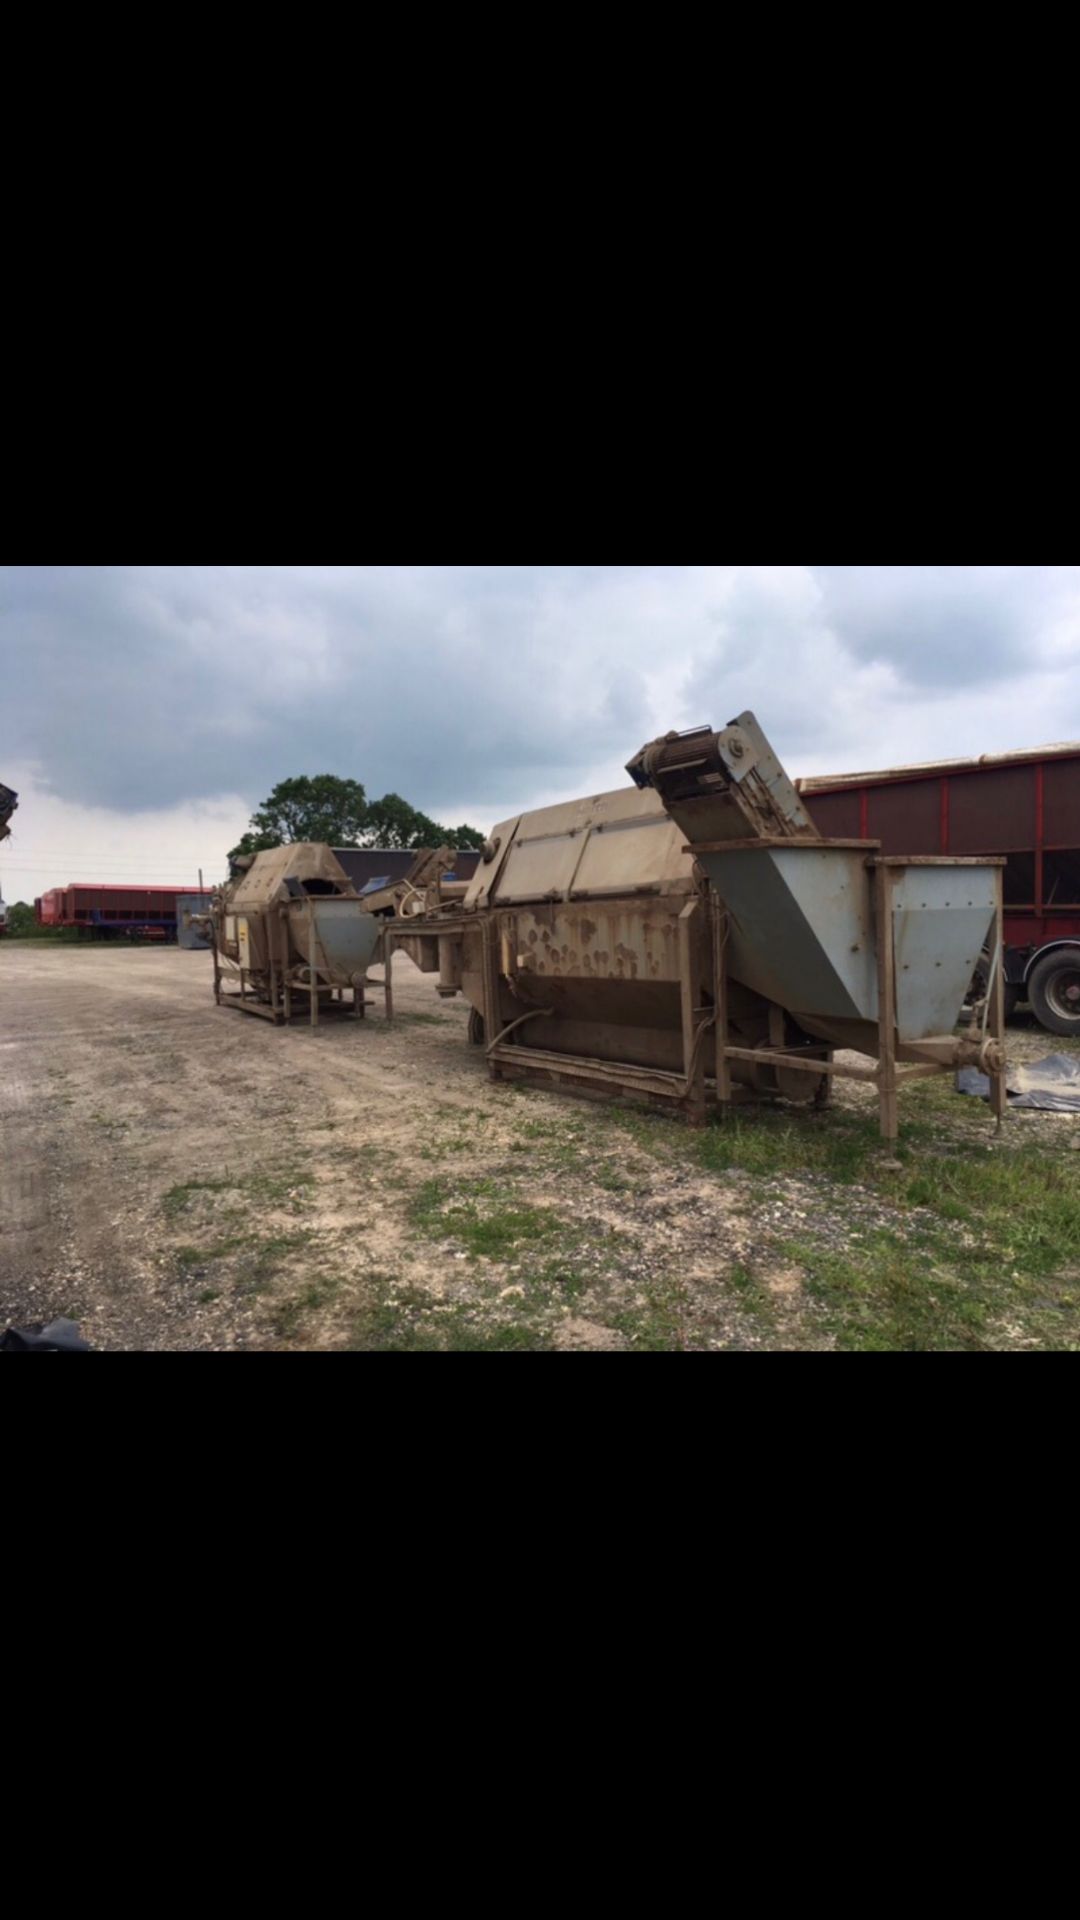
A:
(178, 1176)
(121, 1084)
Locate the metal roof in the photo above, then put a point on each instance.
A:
(1029, 756)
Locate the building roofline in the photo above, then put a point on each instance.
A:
(1030, 756)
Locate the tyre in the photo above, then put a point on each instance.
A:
(477, 1035)
(1054, 992)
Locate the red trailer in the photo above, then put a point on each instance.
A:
(1025, 806)
(131, 912)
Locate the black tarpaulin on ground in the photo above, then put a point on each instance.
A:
(1049, 1086)
(61, 1336)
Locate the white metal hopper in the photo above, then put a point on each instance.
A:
(803, 933)
(346, 938)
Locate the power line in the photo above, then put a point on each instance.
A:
(113, 866)
(79, 853)
(102, 876)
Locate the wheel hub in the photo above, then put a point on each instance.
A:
(1066, 991)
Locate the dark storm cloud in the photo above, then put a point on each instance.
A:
(938, 626)
(149, 685)
(137, 687)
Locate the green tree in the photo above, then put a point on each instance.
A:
(338, 813)
(21, 924)
(392, 823)
(320, 808)
(467, 839)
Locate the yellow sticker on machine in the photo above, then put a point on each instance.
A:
(244, 936)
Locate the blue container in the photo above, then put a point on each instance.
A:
(187, 936)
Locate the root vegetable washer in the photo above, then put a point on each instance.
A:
(292, 934)
(693, 938)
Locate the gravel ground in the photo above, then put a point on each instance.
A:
(178, 1176)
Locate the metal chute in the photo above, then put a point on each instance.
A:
(8, 803)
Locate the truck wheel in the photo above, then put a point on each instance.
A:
(1054, 992)
(477, 1035)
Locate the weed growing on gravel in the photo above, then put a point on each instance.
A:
(178, 1199)
(464, 1212)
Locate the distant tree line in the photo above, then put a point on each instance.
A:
(22, 925)
(338, 813)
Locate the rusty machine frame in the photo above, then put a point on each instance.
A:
(629, 926)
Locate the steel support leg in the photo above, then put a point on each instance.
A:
(721, 927)
(691, 975)
(887, 1015)
(999, 1094)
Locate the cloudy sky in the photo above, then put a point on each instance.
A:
(147, 710)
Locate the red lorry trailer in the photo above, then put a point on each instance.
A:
(116, 912)
(1025, 806)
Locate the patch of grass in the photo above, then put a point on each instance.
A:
(658, 1325)
(401, 1325)
(282, 1244)
(610, 1182)
(277, 1189)
(562, 1281)
(562, 1146)
(178, 1199)
(773, 1143)
(254, 1261)
(207, 1299)
(1027, 1203)
(447, 1149)
(289, 1316)
(361, 1158)
(1011, 1279)
(654, 1133)
(892, 1297)
(257, 1263)
(498, 1234)
(486, 1231)
(188, 1257)
(289, 1187)
(752, 1294)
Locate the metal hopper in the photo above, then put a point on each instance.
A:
(345, 940)
(8, 805)
(292, 928)
(803, 933)
(870, 954)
